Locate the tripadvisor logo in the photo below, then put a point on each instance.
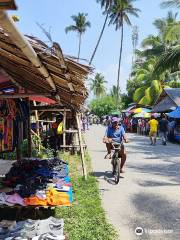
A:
(139, 231)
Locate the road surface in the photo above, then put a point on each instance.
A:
(148, 195)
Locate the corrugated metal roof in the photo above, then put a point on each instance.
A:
(169, 98)
(174, 94)
(164, 105)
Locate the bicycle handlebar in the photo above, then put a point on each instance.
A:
(116, 146)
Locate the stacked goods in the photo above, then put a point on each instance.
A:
(51, 228)
(37, 183)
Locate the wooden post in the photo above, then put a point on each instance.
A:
(37, 124)
(64, 130)
(18, 147)
(29, 130)
(81, 147)
(37, 118)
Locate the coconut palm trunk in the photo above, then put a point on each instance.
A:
(101, 34)
(119, 67)
(79, 50)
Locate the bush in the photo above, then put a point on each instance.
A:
(103, 106)
(38, 150)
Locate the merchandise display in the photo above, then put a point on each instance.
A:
(13, 118)
(50, 228)
(37, 182)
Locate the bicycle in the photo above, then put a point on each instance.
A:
(116, 162)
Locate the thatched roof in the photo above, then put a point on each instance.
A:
(168, 99)
(68, 76)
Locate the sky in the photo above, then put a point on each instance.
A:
(57, 15)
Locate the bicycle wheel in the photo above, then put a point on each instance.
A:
(117, 171)
(113, 161)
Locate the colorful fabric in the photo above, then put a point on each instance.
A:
(6, 134)
(56, 198)
(35, 201)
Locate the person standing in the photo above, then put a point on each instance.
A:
(143, 127)
(139, 126)
(163, 129)
(56, 140)
(153, 124)
(84, 123)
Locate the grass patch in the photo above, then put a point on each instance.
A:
(85, 220)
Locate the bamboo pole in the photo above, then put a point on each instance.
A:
(81, 147)
(22, 95)
(18, 146)
(37, 124)
(37, 118)
(29, 130)
(8, 24)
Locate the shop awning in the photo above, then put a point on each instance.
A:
(43, 100)
(175, 113)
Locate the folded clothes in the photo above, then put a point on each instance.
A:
(50, 228)
(35, 201)
(41, 194)
(3, 199)
(63, 189)
(30, 179)
(55, 198)
(48, 236)
(53, 225)
(15, 199)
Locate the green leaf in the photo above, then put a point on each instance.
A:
(139, 93)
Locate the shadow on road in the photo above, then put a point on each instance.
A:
(156, 184)
(158, 151)
(107, 176)
(159, 214)
(161, 160)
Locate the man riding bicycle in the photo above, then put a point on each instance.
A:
(115, 133)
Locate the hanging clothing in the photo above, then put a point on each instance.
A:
(6, 135)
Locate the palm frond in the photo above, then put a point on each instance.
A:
(173, 33)
(169, 61)
(170, 3)
(71, 28)
(120, 12)
(106, 4)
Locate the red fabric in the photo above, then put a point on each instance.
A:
(3, 78)
(42, 100)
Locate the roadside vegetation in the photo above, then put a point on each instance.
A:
(86, 218)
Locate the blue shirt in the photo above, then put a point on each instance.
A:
(116, 134)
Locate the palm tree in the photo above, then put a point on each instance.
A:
(106, 4)
(113, 92)
(118, 16)
(169, 61)
(170, 3)
(80, 27)
(164, 25)
(97, 85)
(169, 34)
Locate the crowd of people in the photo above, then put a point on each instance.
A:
(156, 126)
(159, 126)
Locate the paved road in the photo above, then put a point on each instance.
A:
(148, 195)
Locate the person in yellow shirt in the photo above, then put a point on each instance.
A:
(153, 124)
